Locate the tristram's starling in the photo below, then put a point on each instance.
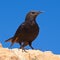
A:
(27, 31)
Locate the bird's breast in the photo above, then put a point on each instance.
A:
(32, 32)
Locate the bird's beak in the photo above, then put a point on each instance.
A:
(40, 12)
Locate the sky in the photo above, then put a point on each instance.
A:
(13, 13)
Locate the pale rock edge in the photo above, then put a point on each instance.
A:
(18, 54)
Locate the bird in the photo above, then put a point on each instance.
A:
(27, 31)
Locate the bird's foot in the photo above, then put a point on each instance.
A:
(23, 49)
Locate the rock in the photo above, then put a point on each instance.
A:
(18, 54)
(0, 45)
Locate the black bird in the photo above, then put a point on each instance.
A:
(27, 31)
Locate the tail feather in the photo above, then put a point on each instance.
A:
(9, 40)
(11, 45)
(12, 40)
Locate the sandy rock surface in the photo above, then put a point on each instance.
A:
(18, 54)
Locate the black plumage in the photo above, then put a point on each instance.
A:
(27, 31)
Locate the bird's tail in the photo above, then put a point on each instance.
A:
(10, 40)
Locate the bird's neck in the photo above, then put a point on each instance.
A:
(30, 20)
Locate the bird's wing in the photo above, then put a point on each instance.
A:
(23, 29)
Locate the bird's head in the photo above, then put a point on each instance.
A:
(32, 15)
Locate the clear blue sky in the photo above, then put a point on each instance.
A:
(13, 12)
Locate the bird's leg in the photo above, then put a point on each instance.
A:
(23, 49)
(23, 45)
(20, 43)
(30, 44)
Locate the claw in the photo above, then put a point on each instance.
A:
(23, 49)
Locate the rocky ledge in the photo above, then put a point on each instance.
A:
(18, 54)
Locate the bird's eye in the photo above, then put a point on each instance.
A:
(33, 12)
